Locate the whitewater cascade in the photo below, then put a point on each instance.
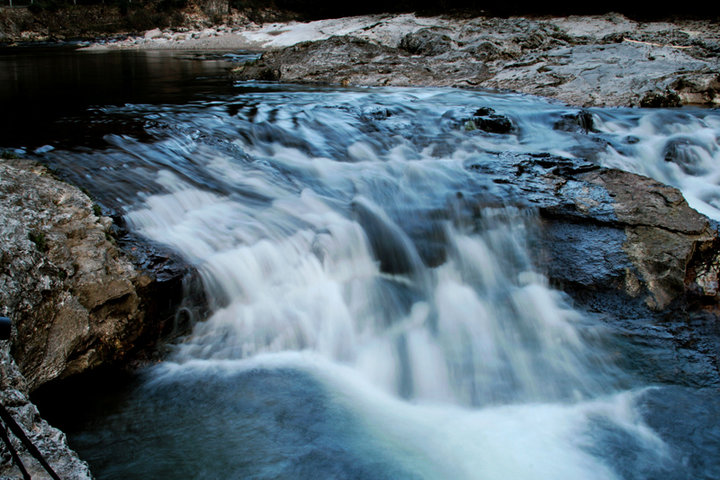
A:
(376, 309)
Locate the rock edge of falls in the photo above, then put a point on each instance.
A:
(78, 302)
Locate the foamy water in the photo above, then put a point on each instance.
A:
(376, 310)
(676, 148)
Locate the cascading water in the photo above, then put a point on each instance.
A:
(479, 328)
(326, 267)
(677, 148)
(376, 311)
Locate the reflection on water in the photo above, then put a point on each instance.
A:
(41, 90)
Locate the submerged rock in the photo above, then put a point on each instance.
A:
(581, 122)
(686, 153)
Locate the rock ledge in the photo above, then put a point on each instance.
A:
(76, 300)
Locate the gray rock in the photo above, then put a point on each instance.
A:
(76, 300)
(607, 229)
(583, 61)
(427, 41)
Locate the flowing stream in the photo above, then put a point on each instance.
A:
(377, 310)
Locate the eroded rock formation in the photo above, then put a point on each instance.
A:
(648, 242)
(607, 231)
(592, 60)
(76, 301)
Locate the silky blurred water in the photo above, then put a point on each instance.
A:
(376, 307)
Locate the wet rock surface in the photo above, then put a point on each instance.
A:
(487, 120)
(598, 60)
(608, 229)
(629, 249)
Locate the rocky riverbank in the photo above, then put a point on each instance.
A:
(587, 61)
(599, 60)
(76, 300)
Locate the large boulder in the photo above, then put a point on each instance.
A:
(607, 229)
(76, 300)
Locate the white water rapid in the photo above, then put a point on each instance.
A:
(458, 363)
(378, 308)
(677, 148)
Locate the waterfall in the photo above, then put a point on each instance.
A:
(376, 306)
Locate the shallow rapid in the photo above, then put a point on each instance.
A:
(377, 309)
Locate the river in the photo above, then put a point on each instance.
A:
(377, 307)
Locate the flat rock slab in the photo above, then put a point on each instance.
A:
(611, 230)
(625, 73)
(588, 61)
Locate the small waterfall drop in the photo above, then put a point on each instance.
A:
(331, 266)
(376, 307)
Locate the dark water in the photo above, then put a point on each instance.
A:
(377, 308)
(46, 93)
